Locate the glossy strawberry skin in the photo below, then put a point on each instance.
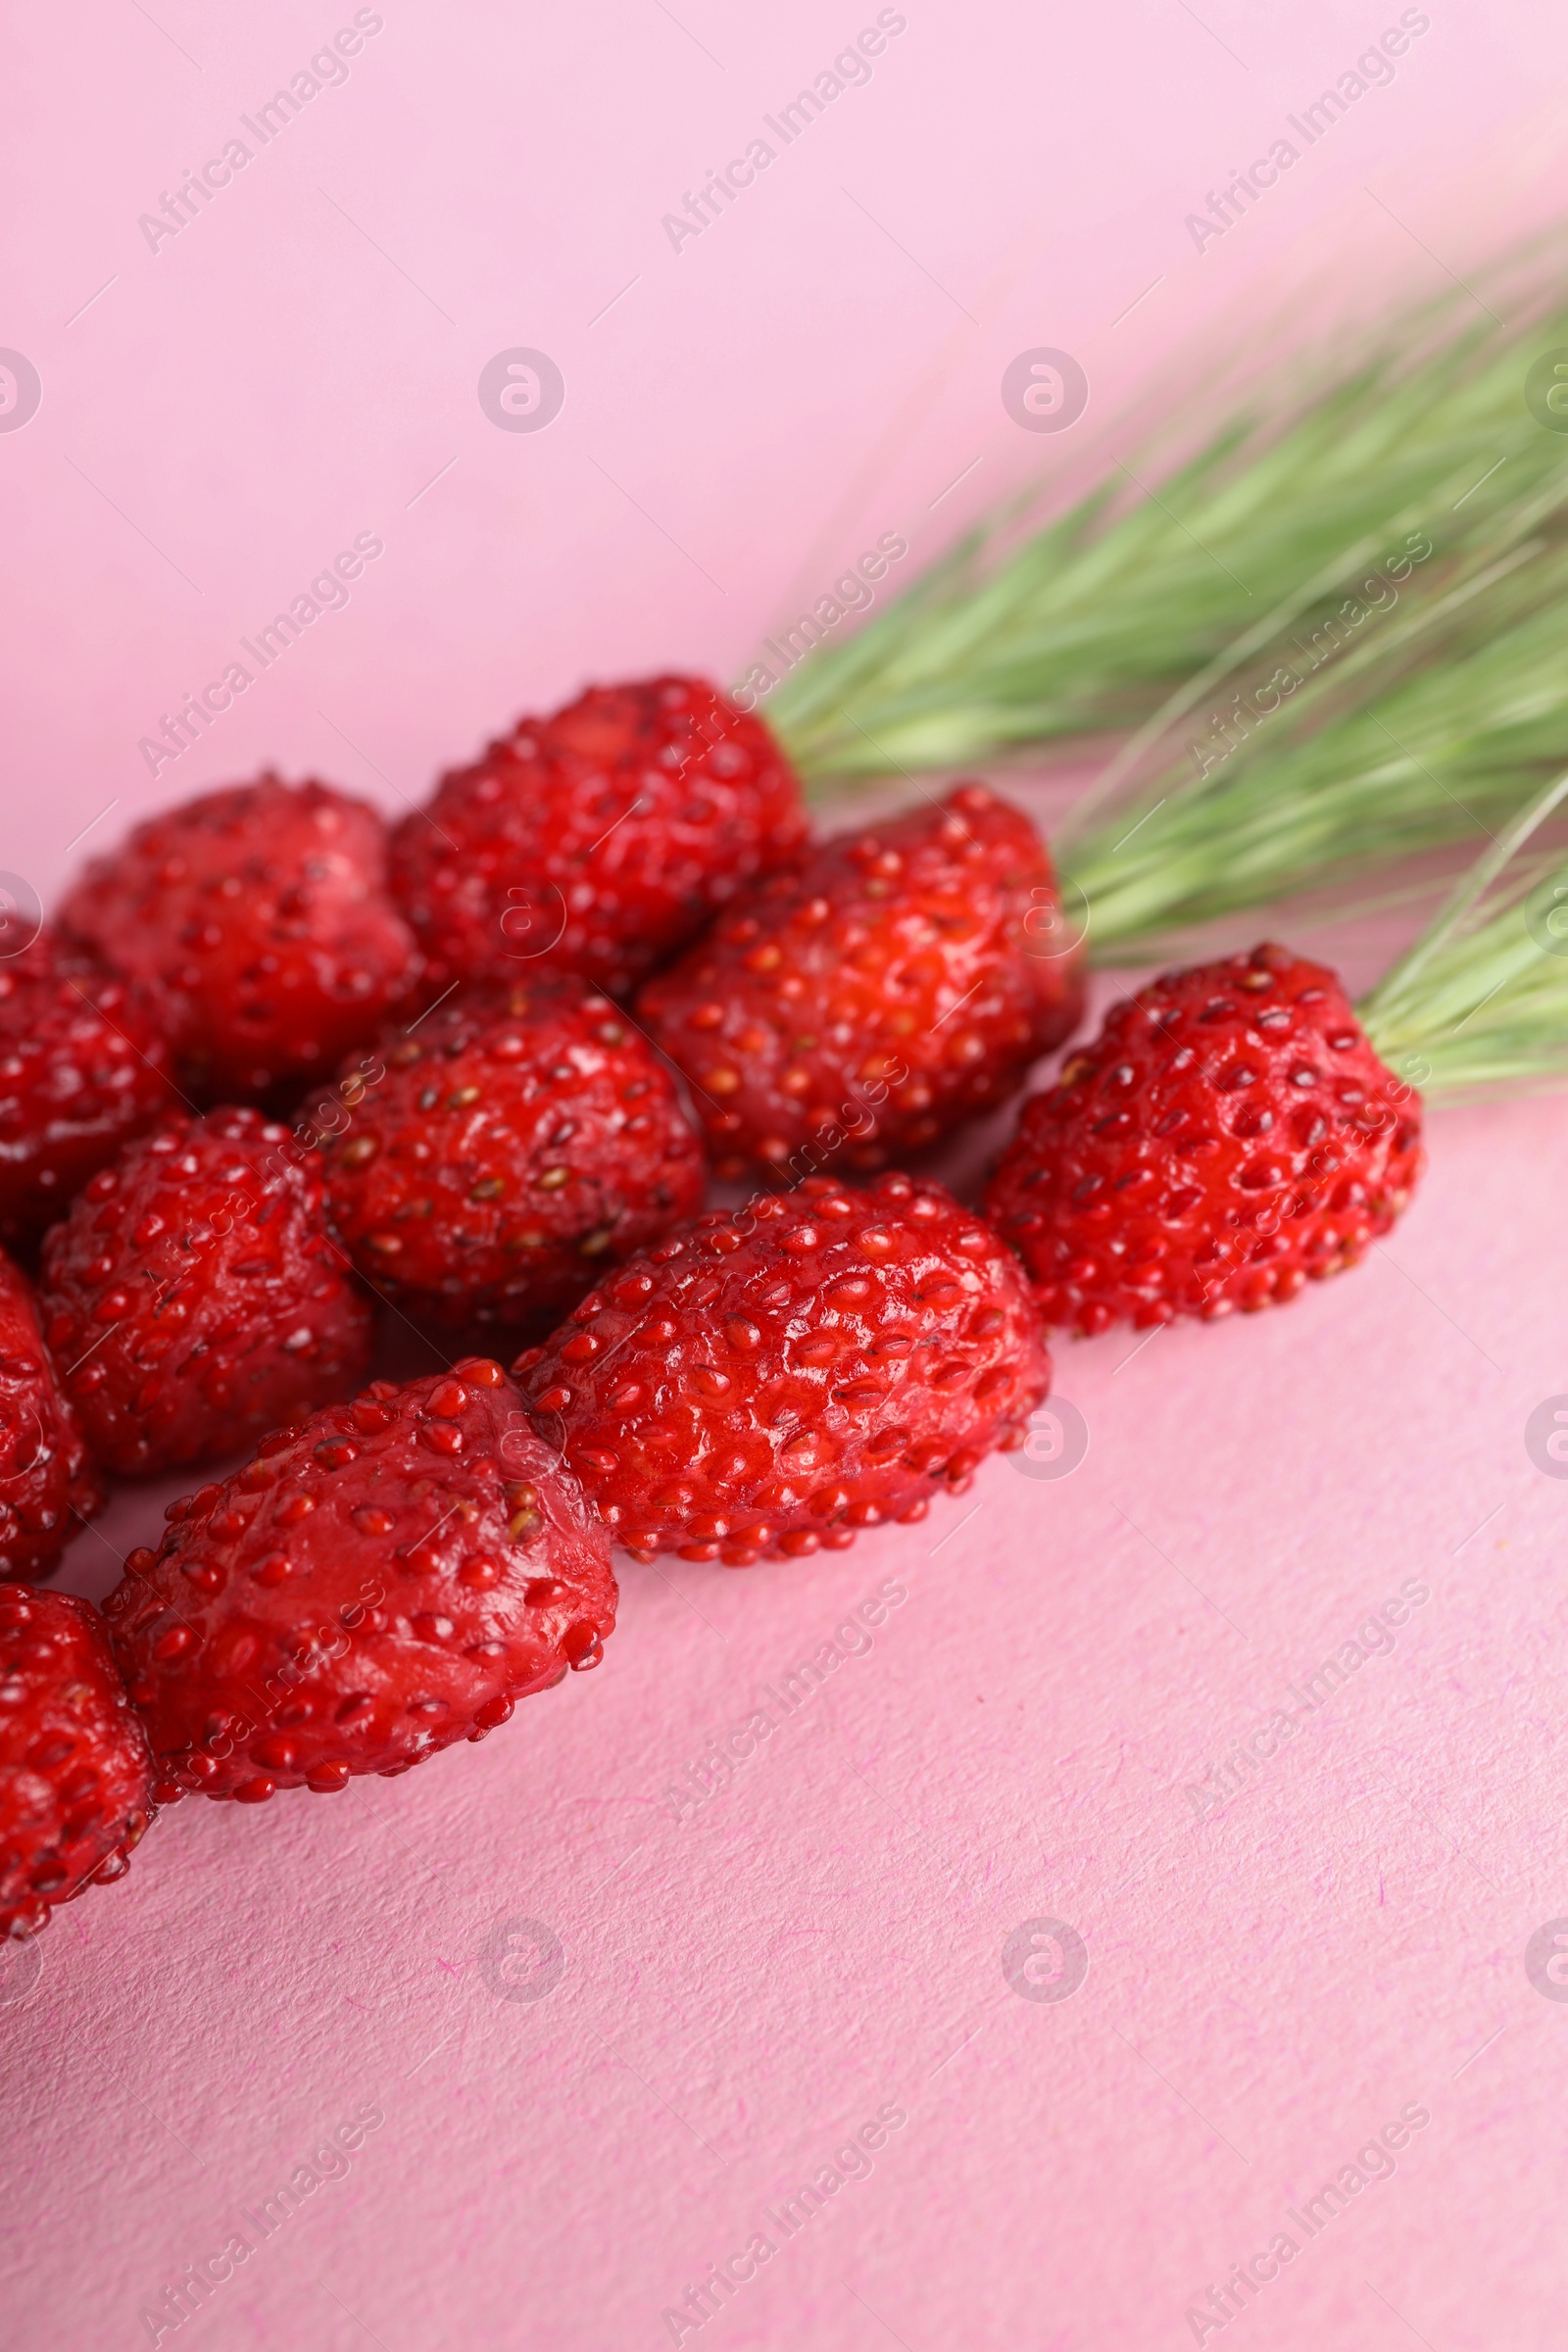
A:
(387, 1578)
(776, 1378)
(48, 1483)
(76, 1774)
(523, 1136)
(1227, 1136)
(903, 980)
(194, 1296)
(599, 840)
(84, 1065)
(257, 919)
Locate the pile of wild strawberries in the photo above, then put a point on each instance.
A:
(273, 1072)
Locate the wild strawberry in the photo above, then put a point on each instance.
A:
(389, 1578)
(83, 1065)
(75, 1769)
(601, 839)
(45, 1472)
(776, 1378)
(193, 1297)
(258, 918)
(901, 980)
(523, 1136)
(1229, 1133)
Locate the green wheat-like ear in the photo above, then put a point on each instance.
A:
(1135, 597)
(1481, 1000)
(1438, 731)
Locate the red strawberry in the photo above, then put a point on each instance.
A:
(601, 839)
(1229, 1133)
(83, 1065)
(777, 1377)
(523, 1136)
(45, 1472)
(901, 980)
(260, 919)
(387, 1578)
(193, 1297)
(74, 1769)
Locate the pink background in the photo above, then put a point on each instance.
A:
(747, 1985)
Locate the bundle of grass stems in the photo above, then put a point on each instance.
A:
(1327, 641)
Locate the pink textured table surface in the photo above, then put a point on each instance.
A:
(597, 2001)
